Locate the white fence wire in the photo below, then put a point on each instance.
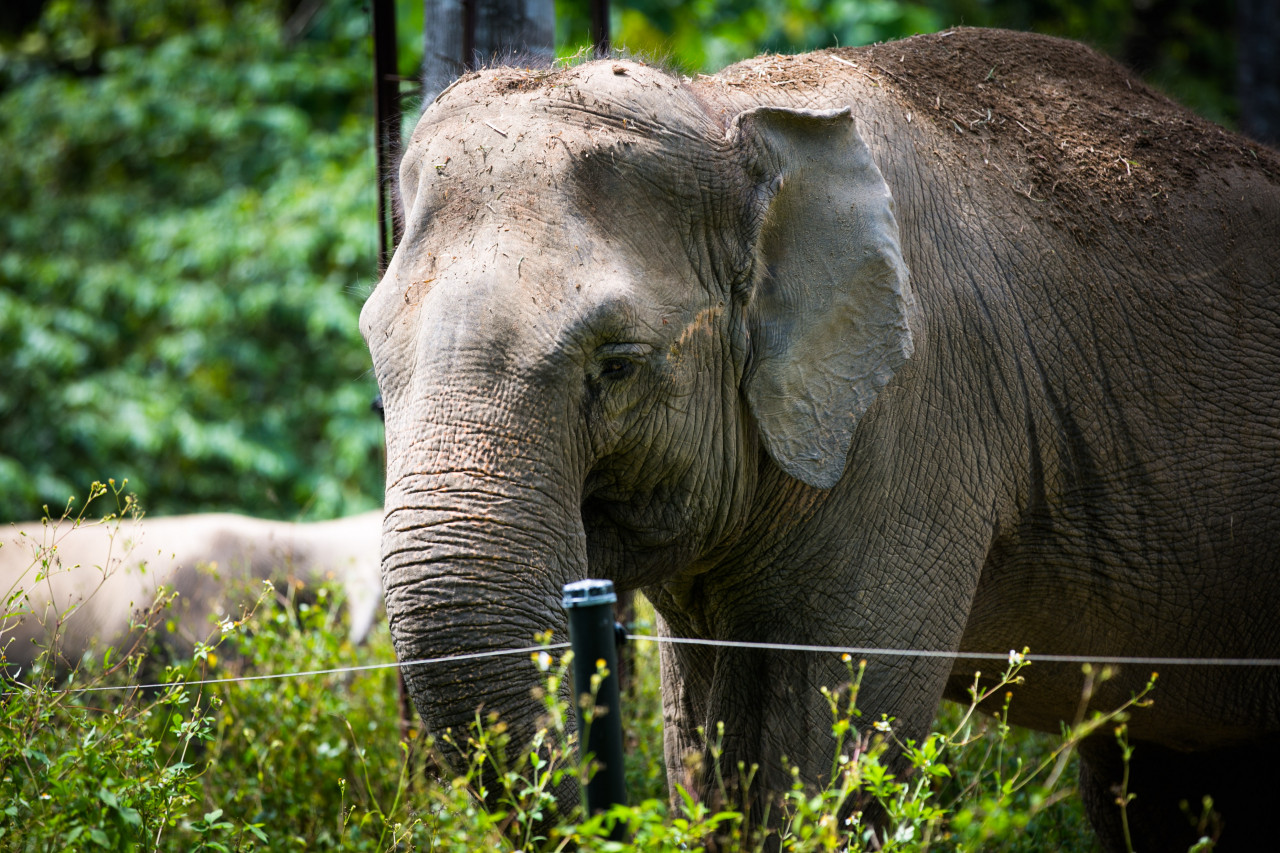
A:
(853, 651)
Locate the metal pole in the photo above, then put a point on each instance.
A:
(386, 119)
(470, 14)
(593, 638)
(600, 27)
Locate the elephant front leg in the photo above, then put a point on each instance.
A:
(742, 724)
(712, 724)
(685, 679)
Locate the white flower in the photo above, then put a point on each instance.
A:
(544, 661)
(226, 625)
(882, 725)
(1016, 657)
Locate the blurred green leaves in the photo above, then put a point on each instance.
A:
(709, 34)
(187, 237)
(706, 35)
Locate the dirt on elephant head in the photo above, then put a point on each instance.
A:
(1061, 122)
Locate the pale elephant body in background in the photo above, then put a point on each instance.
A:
(101, 576)
(962, 343)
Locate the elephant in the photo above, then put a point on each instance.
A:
(963, 343)
(84, 587)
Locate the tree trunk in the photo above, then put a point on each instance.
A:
(459, 35)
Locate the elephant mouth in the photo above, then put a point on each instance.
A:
(623, 520)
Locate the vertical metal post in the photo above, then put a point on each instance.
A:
(386, 119)
(592, 636)
(600, 27)
(470, 14)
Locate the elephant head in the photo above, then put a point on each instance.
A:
(615, 313)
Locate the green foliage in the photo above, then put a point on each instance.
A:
(219, 755)
(311, 758)
(187, 237)
(216, 757)
(974, 784)
(116, 778)
(90, 772)
(205, 762)
(706, 35)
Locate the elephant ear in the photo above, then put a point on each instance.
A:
(829, 309)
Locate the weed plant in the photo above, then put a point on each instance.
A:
(205, 760)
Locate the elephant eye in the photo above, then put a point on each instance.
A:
(615, 369)
(616, 362)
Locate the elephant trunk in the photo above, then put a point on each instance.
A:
(474, 564)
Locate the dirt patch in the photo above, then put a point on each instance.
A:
(1059, 120)
(523, 79)
(505, 79)
(1078, 126)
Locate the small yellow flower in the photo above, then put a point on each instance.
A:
(846, 657)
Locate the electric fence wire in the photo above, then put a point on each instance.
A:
(858, 651)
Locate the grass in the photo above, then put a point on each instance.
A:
(319, 762)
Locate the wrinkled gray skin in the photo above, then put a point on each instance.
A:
(765, 354)
(86, 585)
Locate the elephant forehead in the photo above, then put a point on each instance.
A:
(583, 131)
(516, 266)
(621, 94)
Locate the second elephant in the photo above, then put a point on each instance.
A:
(81, 586)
